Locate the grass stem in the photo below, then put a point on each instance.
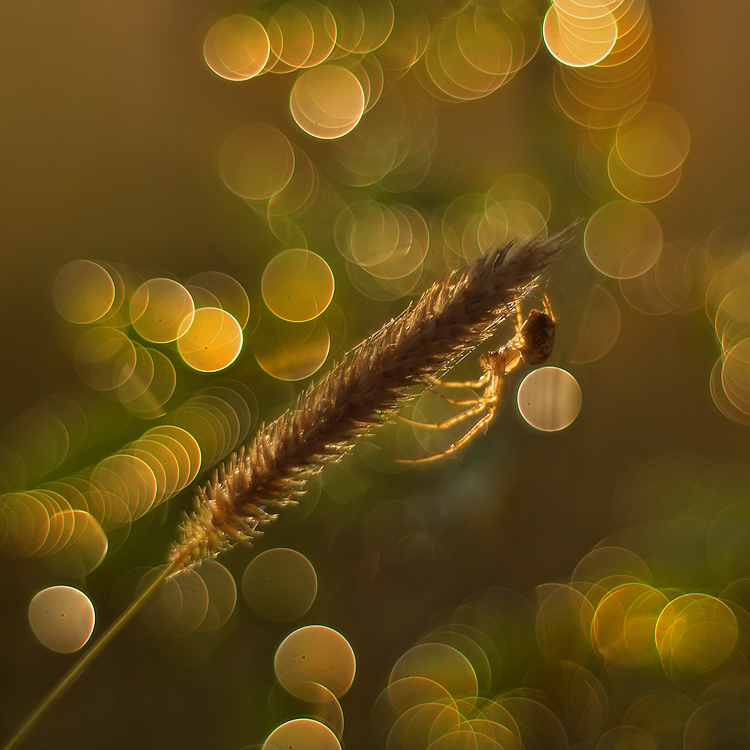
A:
(79, 667)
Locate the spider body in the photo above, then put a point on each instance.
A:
(531, 344)
(538, 337)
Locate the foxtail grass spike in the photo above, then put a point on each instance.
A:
(449, 319)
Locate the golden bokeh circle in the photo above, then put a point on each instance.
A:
(292, 351)
(623, 239)
(62, 618)
(315, 653)
(280, 584)
(297, 285)
(105, 358)
(256, 161)
(83, 292)
(327, 101)
(597, 328)
(549, 399)
(637, 187)
(236, 48)
(695, 634)
(161, 310)
(212, 342)
(302, 734)
(440, 663)
(653, 142)
(579, 42)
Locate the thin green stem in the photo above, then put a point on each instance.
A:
(78, 668)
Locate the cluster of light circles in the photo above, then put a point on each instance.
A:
(197, 600)
(436, 693)
(633, 149)
(605, 71)
(392, 147)
(384, 245)
(515, 205)
(645, 162)
(630, 622)
(168, 457)
(38, 441)
(325, 43)
(131, 482)
(499, 673)
(219, 417)
(202, 320)
(303, 34)
(640, 160)
(343, 53)
(293, 341)
(54, 523)
(140, 378)
(315, 666)
(727, 305)
(76, 510)
(278, 181)
(475, 52)
(607, 62)
(603, 175)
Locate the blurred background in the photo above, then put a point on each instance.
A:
(207, 204)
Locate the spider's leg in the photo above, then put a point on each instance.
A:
(462, 401)
(458, 383)
(485, 420)
(480, 425)
(480, 404)
(547, 307)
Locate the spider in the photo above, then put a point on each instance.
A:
(532, 344)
